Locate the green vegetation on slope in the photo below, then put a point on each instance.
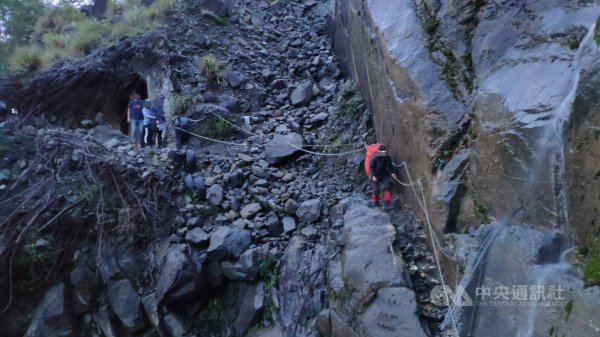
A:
(591, 269)
(63, 32)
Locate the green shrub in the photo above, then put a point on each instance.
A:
(55, 40)
(573, 43)
(351, 105)
(29, 59)
(37, 253)
(568, 309)
(135, 21)
(59, 19)
(210, 67)
(430, 26)
(87, 36)
(180, 102)
(591, 269)
(222, 127)
(116, 8)
(597, 38)
(160, 9)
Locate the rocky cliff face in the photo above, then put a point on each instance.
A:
(473, 95)
(493, 105)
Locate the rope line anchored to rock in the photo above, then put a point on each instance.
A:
(273, 140)
(423, 205)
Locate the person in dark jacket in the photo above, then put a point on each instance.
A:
(161, 123)
(381, 173)
(135, 118)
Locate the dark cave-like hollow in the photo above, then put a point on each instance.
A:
(93, 92)
(110, 95)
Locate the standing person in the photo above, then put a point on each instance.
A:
(149, 124)
(135, 118)
(380, 172)
(161, 124)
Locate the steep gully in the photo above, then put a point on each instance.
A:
(516, 148)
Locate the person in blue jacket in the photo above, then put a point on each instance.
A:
(149, 124)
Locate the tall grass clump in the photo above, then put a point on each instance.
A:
(210, 67)
(88, 35)
(30, 58)
(136, 20)
(59, 19)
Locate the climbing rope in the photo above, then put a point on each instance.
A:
(211, 139)
(422, 203)
(261, 136)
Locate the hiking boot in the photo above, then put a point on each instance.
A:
(374, 204)
(387, 206)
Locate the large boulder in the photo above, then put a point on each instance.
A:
(197, 236)
(150, 305)
(127, 305)
(51, 318)
(85, 287)
(283, 147)
(250, 307)
(250, 210)
(103, 134)
(179, 278)
(248, 265)
(215, 194)
(219, 7)
(302, 95)
(309, 210)
(227, 242)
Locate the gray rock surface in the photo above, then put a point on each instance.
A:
(227, 242)
(197, 236)
(523, 255)
(392, 314)
(126, 304)
(282, 147)
(85, 287)
(51, 318)
(302, 95)
(289, 224)
(302, 282)
(309, 211)
(247, 267)
(178, 276)
(215, 194)
(219, 7)
(250, 307)
(250, 210)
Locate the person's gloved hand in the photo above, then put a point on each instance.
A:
(374, 178)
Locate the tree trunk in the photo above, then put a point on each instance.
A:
(100, 8)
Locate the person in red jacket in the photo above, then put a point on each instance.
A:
(381, 170)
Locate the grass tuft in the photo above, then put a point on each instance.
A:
(26, 59)
(591, 269)
(210, 67)
(87, 36)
